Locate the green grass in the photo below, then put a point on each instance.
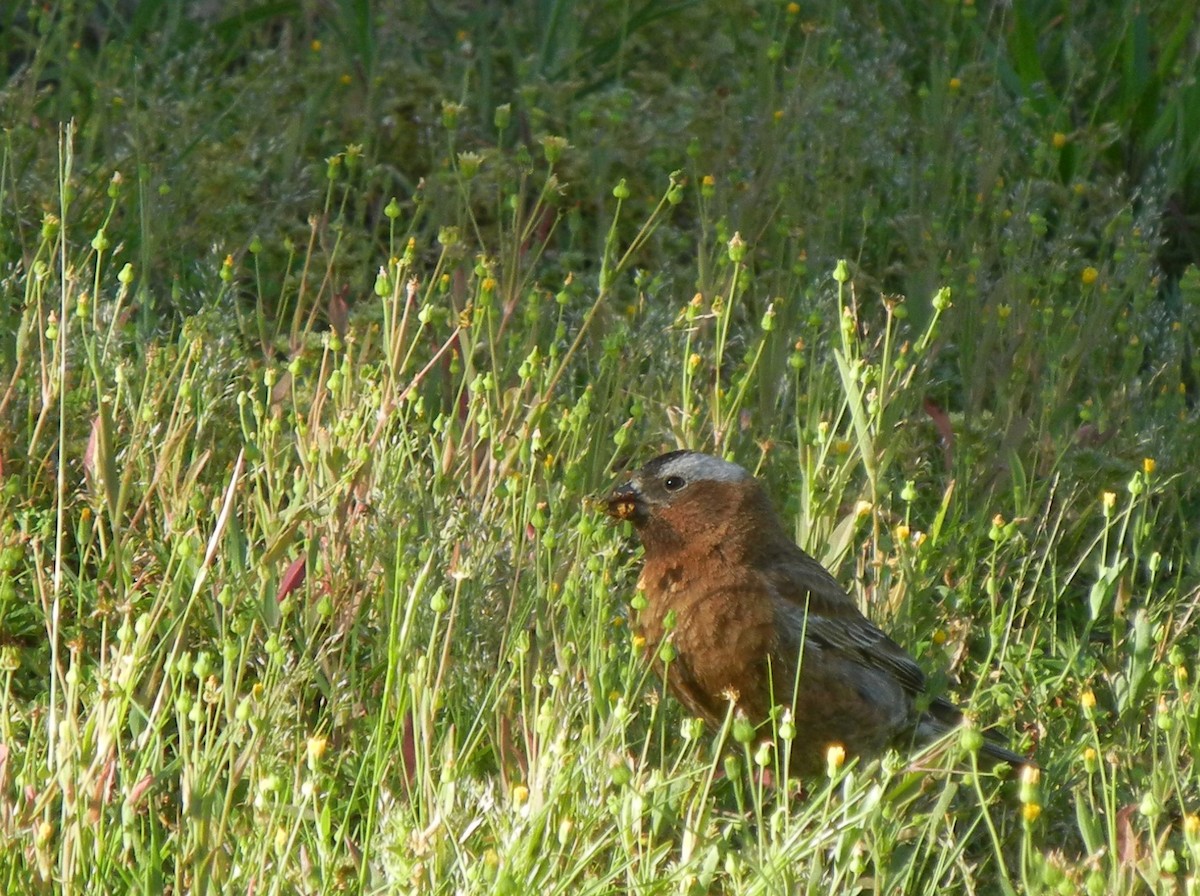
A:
(322, 326)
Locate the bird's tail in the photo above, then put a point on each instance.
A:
(942, 717)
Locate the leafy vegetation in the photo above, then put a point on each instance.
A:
(323, 324)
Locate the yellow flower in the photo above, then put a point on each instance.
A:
(1109, 501)
(708, 181)
(314, 748)
(1031, 805)
(956, 83)
(835, 758)
(793, 9)
(315, 46)
(1060, 140)
(1148, 465)
(902, 532)
(1089, 276)
(520, 795)
(1087, 699)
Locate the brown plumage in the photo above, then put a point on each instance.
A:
(757, 618)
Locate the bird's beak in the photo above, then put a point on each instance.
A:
(625, 503)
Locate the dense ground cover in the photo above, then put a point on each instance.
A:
(321, 326)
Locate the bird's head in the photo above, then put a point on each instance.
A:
(685, 496)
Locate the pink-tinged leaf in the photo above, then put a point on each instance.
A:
(941, 422)
(339, 312)
(1128, 848)
(105, 784)
(139, 790)
(93, 447)
(292, 579)
(408, 752)
(1091, 436)
(513, 750)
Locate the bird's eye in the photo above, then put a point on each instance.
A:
(674, 483)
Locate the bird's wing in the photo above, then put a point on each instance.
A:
(860, 640)
(815, 608)
(812, 601)
(798, 578)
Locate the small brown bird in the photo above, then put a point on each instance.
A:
(759, 621)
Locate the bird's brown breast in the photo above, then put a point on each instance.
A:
(738, 636)
(724, 634)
